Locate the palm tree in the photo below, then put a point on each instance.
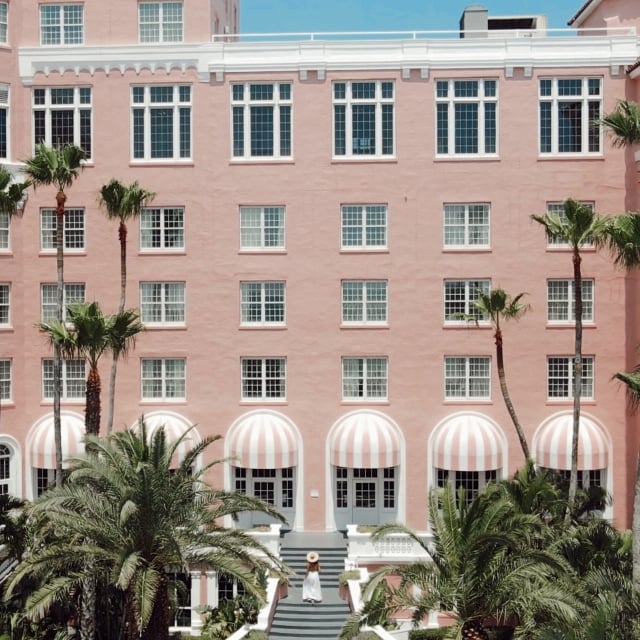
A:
(497, 304)
(128, 515)
(579, 225)
(88, 333)
(57, 166)
(121, 202)
(623, 123)
(486, 564)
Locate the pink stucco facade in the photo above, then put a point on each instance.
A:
(361, 390)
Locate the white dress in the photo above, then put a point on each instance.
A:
(311, 589)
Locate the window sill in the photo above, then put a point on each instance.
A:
(467, 401)
(364, 159)
(162, 162)
(162, 252)
(360, 250)
(164, 401)
(262, 160)
(6, 328)
(258, 251)
(554, 402)
(51, 253)
(361, 401)
(265, 327)
(470, 249)
(570, 156)
(471, 157)
(373, 326)
(165, 327)
(73, 401)
(7, 404)
(570, 325)
(471, 324)
(270, 402)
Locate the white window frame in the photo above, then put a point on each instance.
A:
(557, 208)
(244, 141)
(455, 306)
(163, 304)
(72, 292)
(365, 302)
(5, 232)
(588, 96)
(262, 228)
(561, 303)
(149, 101)
(466, 225)
(346, 102)
(261, 301)
(473, 482)
(368, 376)
(270, 381)
(5, 304)
(6, 380)
(364, 227)
(170, 381)
(164, 28)
(564, 379)
(50, 104)
(485, 98)
(64, 29)
(4, 23)
(5, 128)
(162, 229)
(73, 371)
(74, 230)
(474, 383)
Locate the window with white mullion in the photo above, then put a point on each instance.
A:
(73, 379)
(364, 302)
(162, 303)
(5, 305)
(263, 378)
(61, 24)
(4, 22)
(466, 225)
(561, 300)
(467, 377)
(262, 228)
(73, 232)
(72, 292)
(557, 209)
(364, 378)
(262, 303)
(459, 298)
(4, 231)
(162, 228)
(160, 21)
(5, 379)
(163, 378)
(560, 377)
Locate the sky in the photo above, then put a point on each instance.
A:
(286, 16)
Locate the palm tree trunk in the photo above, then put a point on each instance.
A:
(507, 398)
(61, 198)
(635, 530)
(577, 384)
(122, 236)
(158, 627)
(93, 408)
(88, 608)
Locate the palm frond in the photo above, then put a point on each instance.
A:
(623, 123)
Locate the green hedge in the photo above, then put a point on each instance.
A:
(494, 633)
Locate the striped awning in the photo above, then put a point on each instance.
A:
(41, 445)
(467, 442)
(263, 440)
(175, 425)
(367, 440)
(552, 444)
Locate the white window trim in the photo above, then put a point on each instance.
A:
(62, 25)
(262, 247)
(163, 397)
(364, 321)
(466, 245)
(467, 397)
(364, 245)
(161, 23)
(570, 320)
(5, 229)
(7, 324)
(557, 208)
(65, 249)
(481, 100)
(65, 298)
(5, 24)
(569, 360)
(365, 397)
(263, 322)
(263, 379)
(584, 98)
(65, 382)
(467, 301)
(163, 230)
(163, 303)
(8, 400)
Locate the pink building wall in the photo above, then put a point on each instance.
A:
(312, 186)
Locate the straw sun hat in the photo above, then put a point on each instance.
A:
(312, 556)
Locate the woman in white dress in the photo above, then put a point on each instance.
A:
(311, 589)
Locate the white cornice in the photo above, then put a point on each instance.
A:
(255, 57)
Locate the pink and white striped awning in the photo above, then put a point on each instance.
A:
(468, 442)
(552, 444)
(366, 440)
(41, 446)
(175, 426)
(263, 440)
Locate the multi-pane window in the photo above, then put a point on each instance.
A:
(466, 117)
(561, 301)
(162, 303)
(163, 378)
(364, 378)
(342, 487)
(459, 299)
(73, 236)
(4, 22)
(264, 378)
(180, 585)
(467, 377)
(5, 468)
(61, 24)
(73, 379)
(364, 301)
(466, 225)
(5, 379)
(5, 306)
(72, 292)
(569, 112)
(162, 228)
(261, 120)
(557, 209)
(4, 231)
(471, 482)
(161, 122)
(261, 228)
(364, 226)
(4, 120)
(560, 377)
(160, 21)
(262, 303)
(363, 119)
(62, 116)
